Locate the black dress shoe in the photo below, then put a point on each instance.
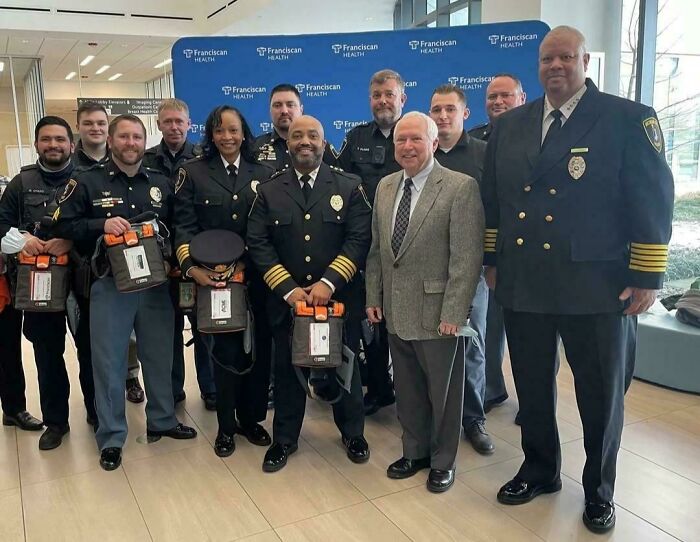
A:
(276, 456)
(599, 517)
(134, 391)
(488, 405)
(256, 434)
(479, 438)
(518, 491)
(53, 436)
(110, 458)
(180, 431)
(373, 404)
(357, 449)
(24, 420)
(209, 400)
(179, 397)
(224, 445)
(518, 420)
(440, 480)
(405, 468)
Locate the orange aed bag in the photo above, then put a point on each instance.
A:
(317, 336)
(42, 283)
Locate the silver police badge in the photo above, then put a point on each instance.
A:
(577, 167)
(155, 194)
(336, 202)
(254, 185)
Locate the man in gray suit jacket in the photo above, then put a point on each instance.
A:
(422, 271)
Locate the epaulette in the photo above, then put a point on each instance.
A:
(277, 173)
(29, 167)
(195, 159)
(151, 150)
(479, 126)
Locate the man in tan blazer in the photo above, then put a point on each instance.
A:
(422, 272)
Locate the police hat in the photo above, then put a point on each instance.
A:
(217, 250)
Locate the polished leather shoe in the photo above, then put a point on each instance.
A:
(440, 480)
(488, 405)
(277, 455)
(209, 400)
(518, 420)
(373, 404)
(134, 391)
(53, 436)
(405, 468)
(179, 397)
(599, 517)
(110, 458)
(24, 420)
(180, 431)
(479, 438)
(256, 434)
(224, 445)
(357, 449)
(518, 491)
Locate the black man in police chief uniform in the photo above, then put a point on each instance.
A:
(368, 151)
(578, 200)
(308, 234)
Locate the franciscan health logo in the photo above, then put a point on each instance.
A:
(276, 54)
(475, 82)
(411, 84)
(197, 128)
(242, 93)
(204, 55)
(511, 41)
(356, 50)
(428, 47)
(265, 126)
(313, 90)
(346, 125)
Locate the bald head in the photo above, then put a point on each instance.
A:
(563, 64)
(306, 143)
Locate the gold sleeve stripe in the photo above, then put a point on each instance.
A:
(492, 230)
(644, 263)
(273, 269)
(644, 246)
(649, 252)
(649, 258)
(343, 272)
(274, 284)
(648, 269)
(276, 275)
(489, 249)
(347, 262)
(342, 265)
(182, 253)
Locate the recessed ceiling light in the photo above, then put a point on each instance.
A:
(2, 66)
(87, 60)
(115, 76)
(70, 76)
(164, 63)
(102, 69)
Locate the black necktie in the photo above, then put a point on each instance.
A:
(403, 213)
(553, 130)
(306, 187)
(232, 173)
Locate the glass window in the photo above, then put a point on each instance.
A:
(460, 17)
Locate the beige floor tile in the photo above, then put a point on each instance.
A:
(267, 536)
(11, 521)
(9, 460)
(687, 419)
(661, 497)
(360, 522)
(191, 495)
(91, 506)
(306, 487)
(557, 517)
(468, 458)
(650, 439)
(370, 478)
(460, 514)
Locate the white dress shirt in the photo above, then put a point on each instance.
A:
(566, 110)
(236, 163)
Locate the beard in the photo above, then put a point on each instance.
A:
(122, 157)
(55, 160)
(311, 161)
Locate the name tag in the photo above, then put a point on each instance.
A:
(579, 150)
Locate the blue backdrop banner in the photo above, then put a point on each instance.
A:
(332, 71)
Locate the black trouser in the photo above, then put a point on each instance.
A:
(12, 383)
(598, 349)
(82, 343)
(377, 356)
(290, 397)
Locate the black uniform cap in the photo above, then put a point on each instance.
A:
(212, 248)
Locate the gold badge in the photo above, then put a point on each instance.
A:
(653, 131)
(336, 202)
(181, 176)
(254, 185)
(577, 167)
(156, 194)
(70, 187)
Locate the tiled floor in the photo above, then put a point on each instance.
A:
(179, 490)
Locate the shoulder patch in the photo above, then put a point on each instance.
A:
(68, 191)
(653, 131)
(334, 152)
(181, 176)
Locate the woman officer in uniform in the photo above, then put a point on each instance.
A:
(216, 191)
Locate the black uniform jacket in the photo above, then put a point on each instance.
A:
(206, 199)
(467, 157)
(481, 131)
(296, 243)
(159, 157)
(569, 228)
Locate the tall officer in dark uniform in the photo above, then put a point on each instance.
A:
(92, 123)
(167, 157)
(460, 152)
(100, 201)
(28, 204)
(271, 147)
(578, 200)
(368, 151)
(217, 191)
(308, 234)
(505, 91)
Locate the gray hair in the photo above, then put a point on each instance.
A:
(382, 76)
(431, 127)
